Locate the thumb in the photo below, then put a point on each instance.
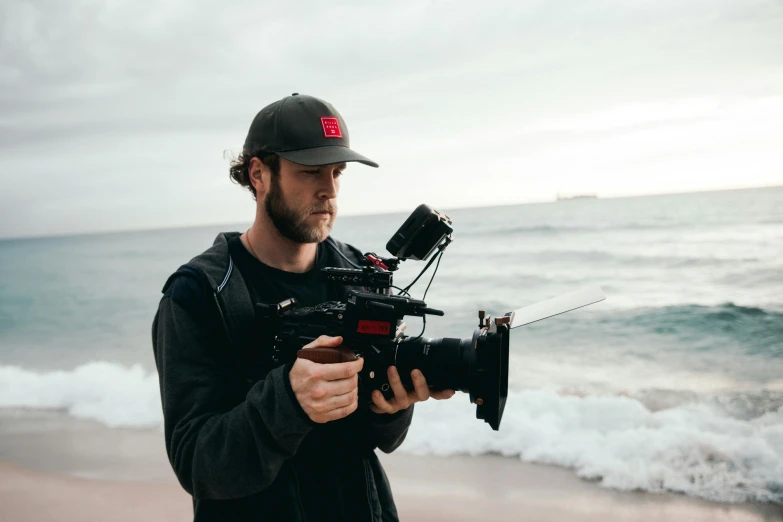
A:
(324, 340)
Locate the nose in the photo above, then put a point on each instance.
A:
(329, 184)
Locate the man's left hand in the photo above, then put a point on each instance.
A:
(402, 398)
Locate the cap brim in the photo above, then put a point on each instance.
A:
(318, 156)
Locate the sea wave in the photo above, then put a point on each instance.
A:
(693, 445)
(693, 448)
(113, 394)
(726, 326)
(727, 311)
(758, 330)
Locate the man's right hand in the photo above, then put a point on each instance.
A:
(326, 392)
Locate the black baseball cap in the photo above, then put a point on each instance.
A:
(302, 129)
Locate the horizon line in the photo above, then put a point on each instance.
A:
(387, 213)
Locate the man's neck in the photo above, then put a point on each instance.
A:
(265, 242)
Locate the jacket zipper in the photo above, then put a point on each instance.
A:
(222, 317)
(217, 302)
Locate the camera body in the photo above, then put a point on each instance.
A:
(372, 326)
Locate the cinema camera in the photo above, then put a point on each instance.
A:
(371, 324)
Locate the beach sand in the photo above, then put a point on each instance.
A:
(53, 467)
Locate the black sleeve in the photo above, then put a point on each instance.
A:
(387, 432)
(219, 447)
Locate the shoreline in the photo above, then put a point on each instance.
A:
(425, 489)
(56, 467)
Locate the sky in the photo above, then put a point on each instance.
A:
(121, 114)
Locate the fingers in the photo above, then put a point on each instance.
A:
(342, 412)
(326, 392)
(420, 385)
(331, 388)
(332, 400)
(338, 371)
(351, 403)
(380, 404)
(336, 402)
(423, 391)
(442, 394)
(324, 340)
(401, 398)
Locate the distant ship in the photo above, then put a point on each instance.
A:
(563, 197)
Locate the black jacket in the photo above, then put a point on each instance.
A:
(236, 437)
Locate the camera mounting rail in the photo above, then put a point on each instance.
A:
(367, 276)
(393, 303)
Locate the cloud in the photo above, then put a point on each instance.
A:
(108, 106)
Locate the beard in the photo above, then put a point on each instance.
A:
(292, 223)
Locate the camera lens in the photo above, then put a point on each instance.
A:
(446, 362)
(477, 366)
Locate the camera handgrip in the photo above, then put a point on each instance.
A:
(327, 355)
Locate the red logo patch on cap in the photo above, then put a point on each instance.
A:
(331, 127)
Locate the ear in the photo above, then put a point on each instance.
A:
(255, 171)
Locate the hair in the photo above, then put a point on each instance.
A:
(239, 170)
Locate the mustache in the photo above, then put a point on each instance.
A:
(331, 208)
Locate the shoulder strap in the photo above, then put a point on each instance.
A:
(329, 241)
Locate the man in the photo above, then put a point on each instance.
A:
(248, 439)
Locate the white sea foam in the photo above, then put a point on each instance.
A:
(693, 447)
(116, 395)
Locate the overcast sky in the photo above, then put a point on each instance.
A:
(117, 114)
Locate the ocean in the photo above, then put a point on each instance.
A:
(674, 383)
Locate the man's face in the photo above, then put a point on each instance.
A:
(302, 200)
